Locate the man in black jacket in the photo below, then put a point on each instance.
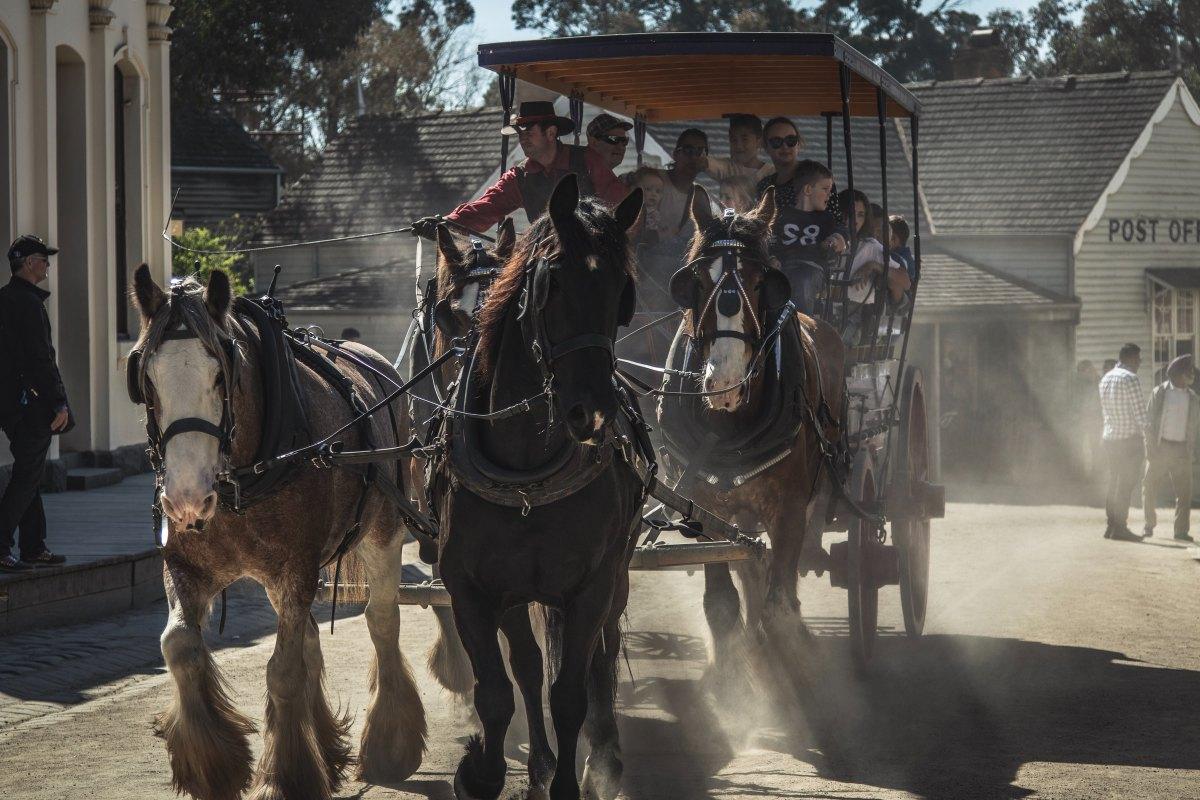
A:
(33, 402)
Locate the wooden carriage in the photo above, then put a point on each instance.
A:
(659, 78)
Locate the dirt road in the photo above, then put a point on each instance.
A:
(1055, 664)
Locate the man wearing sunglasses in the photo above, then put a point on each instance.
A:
(679, 180)
(608, 137)
(33, 403)
(529, 184)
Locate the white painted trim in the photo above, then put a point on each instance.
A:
(1177, 90)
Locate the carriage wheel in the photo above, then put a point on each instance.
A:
(911, 533)
(862, 556)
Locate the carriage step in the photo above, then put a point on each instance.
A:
(688, 554)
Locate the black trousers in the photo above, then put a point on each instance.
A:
(1125, 457)
(29, 441)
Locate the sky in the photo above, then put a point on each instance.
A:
(493, 18)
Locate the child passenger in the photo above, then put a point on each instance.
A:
(866, 265)
(899, 244)
(737, 192)
(806, 236)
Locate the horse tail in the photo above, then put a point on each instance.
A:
(547, 626)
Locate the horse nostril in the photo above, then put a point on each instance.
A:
(209, 506)
(578, 419)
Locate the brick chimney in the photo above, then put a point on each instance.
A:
(982, 55)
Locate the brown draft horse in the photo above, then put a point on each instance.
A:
(726, 324)
(562, 295)
(194, 356)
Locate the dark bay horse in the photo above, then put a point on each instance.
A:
(732, 295)
(546, 332)
(198, 372)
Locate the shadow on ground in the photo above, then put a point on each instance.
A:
(940, 717)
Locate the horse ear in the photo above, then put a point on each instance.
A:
(766, 207)
(506, 238)
(701, 210)
(447, 247)
(629, 208)
(564, 200)
(218, 295)
(146, 293)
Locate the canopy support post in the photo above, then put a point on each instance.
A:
(508, 91)
(577, 114)
(829, 139)
(849, 216)
(639, 136)
(916, 222)
(881, 292)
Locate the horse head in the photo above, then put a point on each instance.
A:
(731, 292)
(184, 369)
(464, 276)
(573, 272)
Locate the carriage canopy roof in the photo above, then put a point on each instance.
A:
(677, 76)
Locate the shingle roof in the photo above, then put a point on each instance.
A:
(949, 283)
(1028, 154)
(212, 139)
(383, 172)
(387, 286)
(864, 134)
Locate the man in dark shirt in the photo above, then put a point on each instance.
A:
(529, 184)
(33, 402)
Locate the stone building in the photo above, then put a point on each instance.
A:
(85, 138)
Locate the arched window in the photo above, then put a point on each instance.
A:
(127, 191)
(7, 66)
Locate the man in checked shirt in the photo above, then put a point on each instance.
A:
(1124, 409)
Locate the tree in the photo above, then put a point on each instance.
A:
(910, 43)
(1109, 36)
(414, 64)
(236, 266)
(234, 47)
(317, 65)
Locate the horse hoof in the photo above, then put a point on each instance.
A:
(462, 793)
(601, 778)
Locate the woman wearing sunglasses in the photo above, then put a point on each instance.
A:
(783, 142)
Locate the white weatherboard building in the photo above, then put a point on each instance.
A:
(85, 164)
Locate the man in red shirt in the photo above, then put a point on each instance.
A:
(529, 184)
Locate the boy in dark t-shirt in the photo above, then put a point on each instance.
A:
(805, 238)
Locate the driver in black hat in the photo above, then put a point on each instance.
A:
(528, 185)
(33, 403)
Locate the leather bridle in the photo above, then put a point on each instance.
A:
(141, 392)
(533, 326)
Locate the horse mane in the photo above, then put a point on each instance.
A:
(185, 306)
(597, 229)
(749, 230)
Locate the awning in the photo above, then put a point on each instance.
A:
(1175, 277)
(691, 76)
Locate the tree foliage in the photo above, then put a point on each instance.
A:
(305, 68)
(910, 39)
(184, 263)
(909, 42)
(1079, 36)
(234, 46)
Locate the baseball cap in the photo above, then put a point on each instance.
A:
(606, 122)
(29, 245)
